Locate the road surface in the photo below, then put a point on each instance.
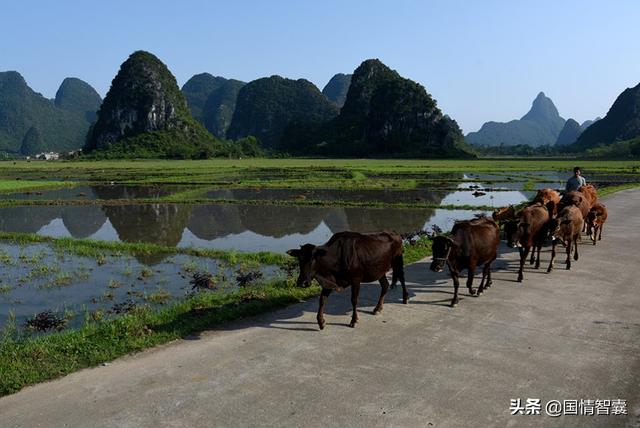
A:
(568, 335)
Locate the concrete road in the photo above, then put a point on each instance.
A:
(569, 335)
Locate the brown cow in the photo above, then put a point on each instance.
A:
(472, 243)
(595, 221)
(348, 259)
(549, 198)
(529, 233)
(590, 193)
(504, 214)
(577, 199)
(567, 227)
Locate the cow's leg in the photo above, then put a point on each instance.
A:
(323, 301)
(524, 252)
(569, 248)
(471, 273)
(485, 273)
(575, 254)
(533, 255)
(600, 232)
(384, 284)
(489, 282)
(538, 249)
(398, 271)
(553, 254)
(456, 284)
(355, 292)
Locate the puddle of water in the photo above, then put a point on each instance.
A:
(476, 193)
(37, 278)
(241, 227)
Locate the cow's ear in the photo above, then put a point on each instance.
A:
(451, 242)
(294, 253)
(319, 252)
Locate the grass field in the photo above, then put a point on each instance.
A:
(367, 173)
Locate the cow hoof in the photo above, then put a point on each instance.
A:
(568, 267)
(376, 311)
(549, 270)
(473, 292)
(519, 279)
(352, 324)
(405, 301)
(453, 304)
(321, 325)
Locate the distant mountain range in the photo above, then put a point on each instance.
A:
(212, 101)
(621, 123)
(265, 107)
(373, 112)
(542, 125)
(31, 123)
(383, 115)
(145, 115)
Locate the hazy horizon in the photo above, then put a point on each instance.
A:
(481, 62)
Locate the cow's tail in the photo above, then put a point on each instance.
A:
(525, 232)
(397, 266)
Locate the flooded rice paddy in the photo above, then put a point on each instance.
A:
(37, 277)
(248, 228)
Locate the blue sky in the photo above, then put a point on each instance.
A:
(481, 60)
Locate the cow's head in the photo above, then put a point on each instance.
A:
(512, 232)
(554, 228)
(305, 255)
(441, 248)
(591, 221)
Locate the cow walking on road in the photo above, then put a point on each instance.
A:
(566, 227)
(348, 259)
(472, 243)
(595, 221)
(529, 233)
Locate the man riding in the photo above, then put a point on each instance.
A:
(576, 181)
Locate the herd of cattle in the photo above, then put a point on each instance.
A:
(350, 258)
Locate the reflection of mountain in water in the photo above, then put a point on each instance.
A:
(393, 219)
(27, 219)
(164, 223)
(83, 221)
(278, 221)
(129, 192)
(215, 221)
(160, 224)
(423, 195)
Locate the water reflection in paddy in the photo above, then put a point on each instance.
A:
(239, 227)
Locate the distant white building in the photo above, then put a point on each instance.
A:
(48, 156)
